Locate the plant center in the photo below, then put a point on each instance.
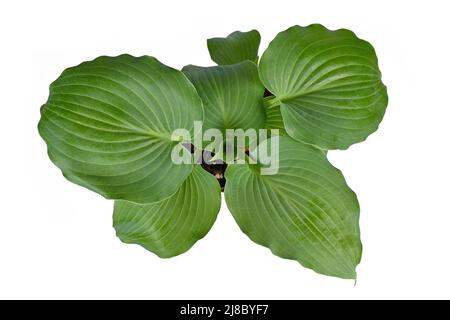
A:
(217, 170)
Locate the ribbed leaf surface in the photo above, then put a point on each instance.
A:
(305, 212)
(170, 227)
(237, 47)
(232, 95)
(108, 123)
(327, 84)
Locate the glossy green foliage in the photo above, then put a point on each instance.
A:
(108, 123)
(242, 109)
(237, 47)
(327, 84)
(305, 212)
(109, 126)
(170, 227)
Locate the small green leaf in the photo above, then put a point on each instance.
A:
(305, 212)
(108, 123)
(232, 95)
(328, 84)
(170, 227)
(237, 47)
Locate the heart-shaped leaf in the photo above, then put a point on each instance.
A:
(305, 212)
(108, 123)
(327, 84)
(170, 227)
(232, 95)
(237, 47)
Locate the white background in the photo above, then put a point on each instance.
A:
(57, 240)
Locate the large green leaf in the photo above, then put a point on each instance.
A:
(327, 84)
(232, 95)
(170, 227)
(108, 123)
(305, 212)
(237, 47)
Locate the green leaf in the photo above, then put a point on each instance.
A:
(327, 84)
(237, 47)
(170, 227)
(108, 123)
(274, 119)
(232, 95)
(305, 212)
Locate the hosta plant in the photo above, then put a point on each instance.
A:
(109, 126)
